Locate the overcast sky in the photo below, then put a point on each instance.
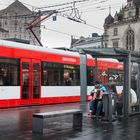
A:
(58, 33)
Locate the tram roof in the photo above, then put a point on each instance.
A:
(17, 45)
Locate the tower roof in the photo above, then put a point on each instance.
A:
(17, 7)
(108, 20)
(120, 15)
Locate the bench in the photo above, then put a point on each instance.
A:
(38, 119)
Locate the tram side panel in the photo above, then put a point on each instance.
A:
(60, 76)
(60, 94)
(54, 92)
(60, 81)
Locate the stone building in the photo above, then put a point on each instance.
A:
(123, 30)
(13, 22)
(95, 41)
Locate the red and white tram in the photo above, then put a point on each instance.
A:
(33, 75)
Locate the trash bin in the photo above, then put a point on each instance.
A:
(107, 106)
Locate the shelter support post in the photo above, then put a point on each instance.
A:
(127, 85)
(83, 82)
(138, 85)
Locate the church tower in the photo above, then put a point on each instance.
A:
(124, 30)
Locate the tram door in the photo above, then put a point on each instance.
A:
(30, 81)
(103, 75)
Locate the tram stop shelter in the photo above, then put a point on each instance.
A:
(129, 59)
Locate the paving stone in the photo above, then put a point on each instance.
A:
(16, 124)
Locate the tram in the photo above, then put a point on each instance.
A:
(34, 75)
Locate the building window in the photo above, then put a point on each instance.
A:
(30, 37)
(5, 35)
(25, 22)
(130, 40)
(15, 28)
(115, 31)
(16, 22)
(6, 22)
(130, 14)
(115, 44)
(20, 30)
(105, 45)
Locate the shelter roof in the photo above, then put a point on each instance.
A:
(112, 53)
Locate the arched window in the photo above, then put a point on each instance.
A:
(130, 40)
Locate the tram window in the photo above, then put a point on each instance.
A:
(50, 74)
(100, 75)
(116, 75)
(25, 74)
(90, 76)
(9, 72)
(54, 74)
(25, 80)
(104, 74)
(71, 75)
(36, 74)
(36, 82)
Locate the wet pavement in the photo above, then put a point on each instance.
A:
(16, 124)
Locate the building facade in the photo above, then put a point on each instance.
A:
(13, 23)
(123, 30)
(95, 41)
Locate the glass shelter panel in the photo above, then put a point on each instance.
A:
(116, 75)
(115, 86)
(134, 100)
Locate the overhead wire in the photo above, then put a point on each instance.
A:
(87, 5)
(98, 9)
(75, 14)
(89, 25)
(32, 6)
(90, 1)
(60, 10)
(66, 9)
(62, 4)
(103, 6)
(30, 15)
(44, 27)
(95, 27)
